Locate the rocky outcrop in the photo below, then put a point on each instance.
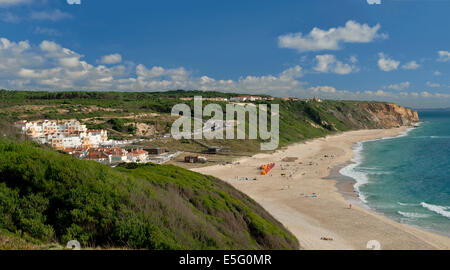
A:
(392, 115)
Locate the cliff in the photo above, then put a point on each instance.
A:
(307, 120)
(391, 115)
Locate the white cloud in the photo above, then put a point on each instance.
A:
(379, 93)
(323, 89)
(411, 65)
(437, 73)
(49, 46)
(52, 15)
(49, 66)
(332, 38)
(6, 3)
(430, 84)
(399, 86)
(374, 2)
(444, 56)
(74, 2)
(387, 64)
(426, 94)
(292, 73)
(111, 59)
(328, 63)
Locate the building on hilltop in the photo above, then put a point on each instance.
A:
(61, 135)
(316, 99)
(245, 98)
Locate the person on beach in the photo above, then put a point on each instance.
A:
(350, 206)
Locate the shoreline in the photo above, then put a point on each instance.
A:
(314, 202)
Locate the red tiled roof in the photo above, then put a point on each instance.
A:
(139, 152)
(96, 155)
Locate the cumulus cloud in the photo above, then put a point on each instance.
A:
(444, 56)
(331, 39)
(50, 66)
(328, 63)
(387, 64)
(111, 59)
(399, 86)
(411, 65)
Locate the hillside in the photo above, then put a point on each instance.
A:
(147, 115)
(50, 197)
(305, 120)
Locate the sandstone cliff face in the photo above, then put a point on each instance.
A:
(391, 115)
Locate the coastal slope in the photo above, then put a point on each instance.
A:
(47, 197)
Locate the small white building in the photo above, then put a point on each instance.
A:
(138, 156)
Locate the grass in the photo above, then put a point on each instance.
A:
(52, 197)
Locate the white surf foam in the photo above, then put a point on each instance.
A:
(408, 204)
(413, 215)
(361, 177)
(441, 210)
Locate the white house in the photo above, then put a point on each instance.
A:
(138, 155)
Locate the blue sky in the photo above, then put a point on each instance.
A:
(392, 50)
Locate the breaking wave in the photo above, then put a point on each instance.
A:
(441, 210)
(413, 215)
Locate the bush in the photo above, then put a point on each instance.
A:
(47, 195)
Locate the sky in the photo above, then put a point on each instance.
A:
(387, 50)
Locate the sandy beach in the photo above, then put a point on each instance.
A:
(303, 196)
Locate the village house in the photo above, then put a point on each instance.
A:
(138, 155)
(156, 151)
(245, 98)
(116, 154)
(97, 155)
(195, 159)
(68, 134)
(222, 99)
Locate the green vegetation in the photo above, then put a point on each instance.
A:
(118, 112)
(120, 125)
(50, 197)
(300, 120)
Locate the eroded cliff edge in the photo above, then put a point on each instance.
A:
(391, 115)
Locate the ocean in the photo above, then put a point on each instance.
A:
(407, 178)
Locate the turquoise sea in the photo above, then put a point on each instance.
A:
(407, 178)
